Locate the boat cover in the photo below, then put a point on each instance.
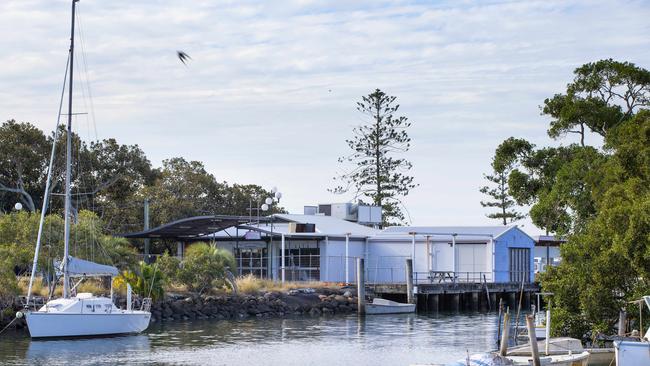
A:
(80, 267)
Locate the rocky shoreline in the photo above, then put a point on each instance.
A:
(221, 307)
(270, 304)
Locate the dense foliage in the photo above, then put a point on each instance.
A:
(597, 197)
(18, 232)
(204, 267)
(145, 280)
(378, 172)
(112, 180)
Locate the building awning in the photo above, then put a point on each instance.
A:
(196, 228)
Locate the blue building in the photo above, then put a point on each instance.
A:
(459, 253)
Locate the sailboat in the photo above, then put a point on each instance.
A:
(84, 314)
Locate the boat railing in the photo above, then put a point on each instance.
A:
(146, 304)
(34, 303)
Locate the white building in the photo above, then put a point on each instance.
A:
(325, 248)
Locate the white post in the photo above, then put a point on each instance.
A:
(325, 259)
(347, 256)
(413, 251)
(282, 259)
(128, 297)
(453, 253)
(548, 329)
(494, 270)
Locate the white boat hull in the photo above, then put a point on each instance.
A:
(382, 306)
(632, 353)
(46, 324)
(580, 359)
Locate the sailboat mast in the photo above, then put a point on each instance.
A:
(68, 164)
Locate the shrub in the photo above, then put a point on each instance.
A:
(8, 284)
(204, 266)
(146, 281)
(169, 267)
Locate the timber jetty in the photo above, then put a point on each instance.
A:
(457, 296)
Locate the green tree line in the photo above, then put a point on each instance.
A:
(597, 197)
(112, 180)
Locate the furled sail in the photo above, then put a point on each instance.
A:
(80, 267)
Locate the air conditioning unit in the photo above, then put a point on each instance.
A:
(367, 214)
(345, 211)
(310, 210)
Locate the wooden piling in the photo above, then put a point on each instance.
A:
(493, 300)
(621, 323)
(455, 302)
(474, 301)
(434, 302)
(532, 339)
(409, 281)
(361, 287)
(503, 349)
(499, 323)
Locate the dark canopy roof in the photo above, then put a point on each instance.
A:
(193, 227)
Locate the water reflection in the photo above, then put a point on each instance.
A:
(386, 340)
(89, 351)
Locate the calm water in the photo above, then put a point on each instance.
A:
(377, 340)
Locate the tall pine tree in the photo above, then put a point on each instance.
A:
(498, 192)
(378, 173)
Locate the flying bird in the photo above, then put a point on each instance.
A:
(184, 57)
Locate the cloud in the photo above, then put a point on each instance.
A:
(270, 94)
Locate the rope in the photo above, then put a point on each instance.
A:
(5, 328)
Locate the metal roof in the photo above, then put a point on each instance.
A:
(443, 233)
(449, 230)
(192, 228)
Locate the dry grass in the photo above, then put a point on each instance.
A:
(175, 287)
(250, 284)
(40, 289)
(94, 287)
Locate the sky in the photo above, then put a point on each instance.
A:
(270, 94)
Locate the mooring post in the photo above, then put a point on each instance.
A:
(532, 339)
(621, 323)
(499, 324)
(503, 350)
(409, 282)
(361, 287)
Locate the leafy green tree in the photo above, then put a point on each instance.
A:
(602, 95)
(378, 173)
(607, 264)
(204, 267)
(23, 155)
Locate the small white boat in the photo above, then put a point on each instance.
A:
(383, 306)
(566, 345)
(570, 359)
(84, 315)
